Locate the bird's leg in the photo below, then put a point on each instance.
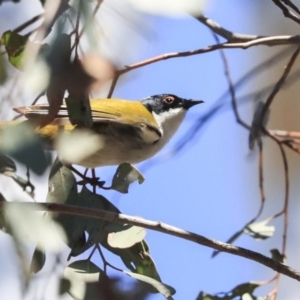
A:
(94, 181)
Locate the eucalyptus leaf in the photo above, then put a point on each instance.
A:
(63, 189)
(95, 227)
(64, 286)
(126, 238)
(162, 288)
(260, 230)
(79, 273)
(124, 176)
(7, 166)
(14, 44)
(276, 255)
(244, 288)
(136, 258)
(38, 260)
(3, 71)
(23, 144)
(79, 111)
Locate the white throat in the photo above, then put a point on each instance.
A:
(168, 122)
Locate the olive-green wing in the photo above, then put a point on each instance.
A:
(132, 113)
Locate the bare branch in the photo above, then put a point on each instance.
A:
(164, 228)
(291, 5)
(231, 88)
(228, 35)
(287, 13)
(266, 41)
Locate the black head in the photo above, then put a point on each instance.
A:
(165, 102)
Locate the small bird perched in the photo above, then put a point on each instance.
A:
(130, 131)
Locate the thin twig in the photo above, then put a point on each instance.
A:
(105, 262)
(113, 85)
(228, 35)
(28, 23)
(231, 88)
(261, 177)
(287, 13)
(278, 85)
(291, 5)
(267, 41)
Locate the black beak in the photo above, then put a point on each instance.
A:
(189, 103)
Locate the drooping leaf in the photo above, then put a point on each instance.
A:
(95, 227)
(257, 125)
(276, 255)
(78, 145)
(3, 71)
(79, 111)
(62, 186)
(136, 258)
(7, 166)
(162, 288)
(14, 44)
(126, 238)
(64, 286)
(63, 189)
(23, 144)
(38, 260)
(3, 222)
(124, 176)
(34, 226)
(242, 291)
(58, 60)
(244, 288)
(260, 230)
(80, 273)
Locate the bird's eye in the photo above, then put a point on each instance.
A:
(168, 100)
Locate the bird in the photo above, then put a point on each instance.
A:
(129, 131)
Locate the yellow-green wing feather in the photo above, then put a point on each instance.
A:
(103, 110)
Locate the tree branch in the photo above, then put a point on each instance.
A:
(164, 228)
(287, 13)
(226, 34)
(266, 41)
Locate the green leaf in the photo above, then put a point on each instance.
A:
(7, 166)
(162, 288)
(38, 260)
(244, 288)
(276, 255)
(64, 286)
(257, 125)
(14, 44)
(242, 291)
(95, 227)
(79, 273)
(126, 238)
(3, 222)
(79, 111)
(3, 71)
(260, 230)
(63, 189)
(136, 258)
(23, 144)
(124, 176)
